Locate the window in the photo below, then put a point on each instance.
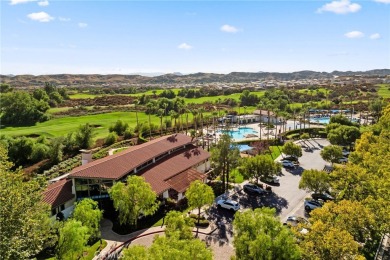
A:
(53, 212)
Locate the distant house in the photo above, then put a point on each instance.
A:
(263, 116)
(169, 164)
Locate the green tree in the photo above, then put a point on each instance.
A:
(39, 152)
(177, 244)
(88, 213)
(199, 194)
(260, 235)
(119, 127)
(111, 139)
(73, 237)
(84, 136)
(20, 108)
(224, 157)
(332, 153)
(132, 199)
(259, 166)
(292, 149)
(324, 242)
(315, 181)
(343, 135)
(178, 226)
(20, 150)
(56, 150)
(24, 219)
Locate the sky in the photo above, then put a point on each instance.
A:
(125, 37)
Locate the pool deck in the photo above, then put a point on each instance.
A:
(265, 133)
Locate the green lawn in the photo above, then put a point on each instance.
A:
(384, 90)
(89, 253)
(306, 90)
(64, 125)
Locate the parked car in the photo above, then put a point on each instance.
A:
(253, 189)
(287, 164)
(228, 204)
(295, 220)
(343, 160)
(322, 196)
(312, 204)
(291, 159)
(271, 179)
(345, 153)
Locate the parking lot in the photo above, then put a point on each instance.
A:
(286, 198)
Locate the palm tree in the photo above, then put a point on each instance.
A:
(215, 114)
(173, 115)
(161, 114)
(165, 105)
(150, 108)
(259, 106)
(136, 102)
(194, 118)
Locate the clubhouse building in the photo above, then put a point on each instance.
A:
(169, 164)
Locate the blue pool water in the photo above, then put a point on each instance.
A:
(325, 120)
(244, 147)
(241, 132)
(321, 120)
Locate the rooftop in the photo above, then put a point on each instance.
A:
(58, 193)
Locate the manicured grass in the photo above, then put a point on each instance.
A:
(275, 151)
(83, 96)
(90, 252)
(64, 125)
(306, 90)
(57, 109)
(384, 90)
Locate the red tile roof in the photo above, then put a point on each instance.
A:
(58, 193)
(182, 181)
(118, 165)
(159, 173)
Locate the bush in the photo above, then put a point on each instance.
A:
(203, 222)
(111, 138)
(39, 152)
(128, 134)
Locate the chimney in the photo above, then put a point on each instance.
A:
(86, 156)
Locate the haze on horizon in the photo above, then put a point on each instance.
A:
(131, 37)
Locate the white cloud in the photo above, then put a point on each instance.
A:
(383, 1)
(184, 46)
(229, 28)
(340, 7)
(15, 2)
(43, 3)
(63, 19)
(375, 36)
(83, 25)
(40, 17)
(354, 34)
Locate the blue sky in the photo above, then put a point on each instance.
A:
(51, 37)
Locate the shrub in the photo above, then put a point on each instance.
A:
(111, 138)
(39, 152)
(128, 134)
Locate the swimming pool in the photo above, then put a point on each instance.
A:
(325, 120)
(240, 133)
(320, 120)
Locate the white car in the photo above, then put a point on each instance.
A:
(295, 220)
(272, 179)
(312, 204)
(228, 204)
(287, 164)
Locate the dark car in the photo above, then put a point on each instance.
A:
(322, 196)
(253, 189)
(291, 159)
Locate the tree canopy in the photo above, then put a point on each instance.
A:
(292, 149)
(314, 180)
(177, 244)
(84, 136)
(73, 237)
(133, 198)
(259, 166)
(88, 213)
(332, 153)
(199, 194)
(24, 218)
(260, 235)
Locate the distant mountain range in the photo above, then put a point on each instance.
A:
(175, 78)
